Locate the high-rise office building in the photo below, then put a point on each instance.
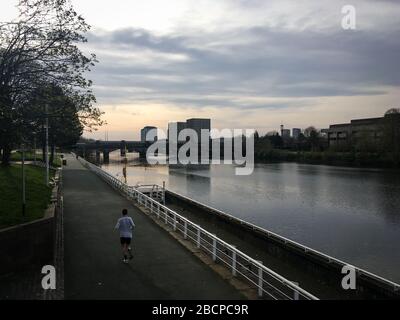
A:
(179, 127)
(296, 133)
(198, 125)
(285, 133)
(145, 131)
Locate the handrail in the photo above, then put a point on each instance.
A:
(395, 285)
(162, 209)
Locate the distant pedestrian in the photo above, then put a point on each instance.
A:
(125, 226)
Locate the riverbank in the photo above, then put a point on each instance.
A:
(37, 194)
(348, 159)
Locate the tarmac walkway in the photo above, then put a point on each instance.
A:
(161, 267)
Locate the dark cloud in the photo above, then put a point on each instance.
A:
(260, 62)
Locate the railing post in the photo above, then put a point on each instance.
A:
(234, 262)
(198, 238)
(214, 251)
(163, 197)
(260, 280)
(174, 222)
(158, 211)
(185, 230)
(166, 217)
(295, 293)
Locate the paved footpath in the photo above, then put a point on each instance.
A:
(161, 267)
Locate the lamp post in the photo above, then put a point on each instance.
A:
(47, 145)
(23, 181)
(34, 148)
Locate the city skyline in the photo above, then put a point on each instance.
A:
(245, 64)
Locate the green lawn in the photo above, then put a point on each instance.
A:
(29, 156)
(37, 194)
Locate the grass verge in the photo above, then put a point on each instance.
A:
(30, 156)
(37, 194)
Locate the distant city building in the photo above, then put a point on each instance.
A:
(145, 131)
(285, 133)
(179, 127)
(296, 133)
(198, 125)
(195, 124)
(324, 133)
(348, 133)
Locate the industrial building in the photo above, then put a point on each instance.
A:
(349, 133)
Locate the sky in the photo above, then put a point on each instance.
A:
(242, 63)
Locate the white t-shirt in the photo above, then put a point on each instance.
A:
(125, 226)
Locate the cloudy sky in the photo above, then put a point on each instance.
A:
(243, 63)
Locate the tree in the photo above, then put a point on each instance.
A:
(313, 137)
(65, 126)
(276, 140)
(37, 49)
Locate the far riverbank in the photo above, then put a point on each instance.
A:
(345, 159)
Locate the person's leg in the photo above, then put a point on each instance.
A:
(129, 249)
(123, 247)
(124, 250)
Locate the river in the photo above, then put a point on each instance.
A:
(351, 214)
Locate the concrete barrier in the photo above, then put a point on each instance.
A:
(26, 245)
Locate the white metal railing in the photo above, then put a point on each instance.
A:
(154, 190)
(270, 234)
(268, 283)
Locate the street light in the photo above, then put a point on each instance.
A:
(23, 180)
(34, 148)
(47, 145)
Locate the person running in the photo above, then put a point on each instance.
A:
(125, 226)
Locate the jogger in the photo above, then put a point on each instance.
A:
(125, 226)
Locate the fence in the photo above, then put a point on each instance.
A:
(268, 283)
(390, 285)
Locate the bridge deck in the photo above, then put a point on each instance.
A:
(161, 268)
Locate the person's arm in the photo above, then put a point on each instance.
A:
(117, 225)
(132, 223)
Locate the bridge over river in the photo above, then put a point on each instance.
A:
(106, 147)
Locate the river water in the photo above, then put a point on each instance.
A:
(351, 214)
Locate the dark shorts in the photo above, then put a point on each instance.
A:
(125, 240)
